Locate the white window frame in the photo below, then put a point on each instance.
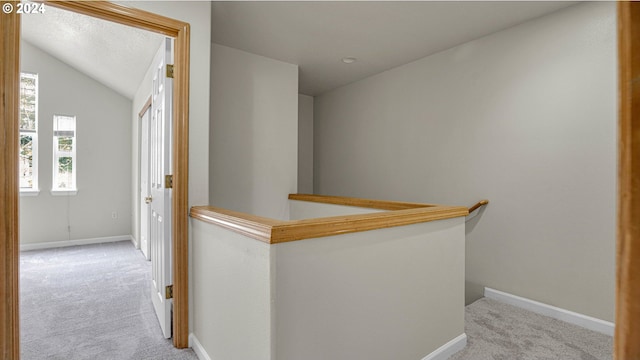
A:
(34, 189)
(57, 154)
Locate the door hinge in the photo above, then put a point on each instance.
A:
(168, 292)
(170, 71)
(168, 181)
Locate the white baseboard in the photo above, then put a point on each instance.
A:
(445, 351)
(135, 242)
(442, 353)
(57, 244)
(587, 322)
(197, 347)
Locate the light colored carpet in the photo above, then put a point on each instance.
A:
(93, 302)
(90, 302)
(497, 331)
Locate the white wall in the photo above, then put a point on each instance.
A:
(103, 156)
(253, 134)
(231, 293)
(305, 144)
(394, 293)
(526, 118)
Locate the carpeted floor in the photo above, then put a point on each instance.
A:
(497, 331)
(93, 302)
(90, 302)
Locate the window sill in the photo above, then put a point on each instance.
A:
(29, 192)
(64, 192)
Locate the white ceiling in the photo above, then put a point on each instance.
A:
(381, 35)
(315, 35)
(115, 55)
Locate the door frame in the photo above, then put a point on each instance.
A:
(627, 331)
(9, 191)
(145, 108)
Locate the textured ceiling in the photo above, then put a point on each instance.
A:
(115, 55)
(381, 35)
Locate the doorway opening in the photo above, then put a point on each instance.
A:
(10, 48)
(103, 72)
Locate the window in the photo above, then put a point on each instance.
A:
(28, 133)
(64, 153)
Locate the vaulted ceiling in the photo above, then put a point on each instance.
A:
(115, 55)
(316, 35)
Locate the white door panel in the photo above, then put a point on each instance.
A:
(145, 189)
(160, 141)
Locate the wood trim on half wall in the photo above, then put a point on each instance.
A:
(9, 228)
(627, 332)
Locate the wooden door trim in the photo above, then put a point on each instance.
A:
(627, 332)
(9, 192)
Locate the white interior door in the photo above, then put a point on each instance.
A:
(160, 161)
(145, 188)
